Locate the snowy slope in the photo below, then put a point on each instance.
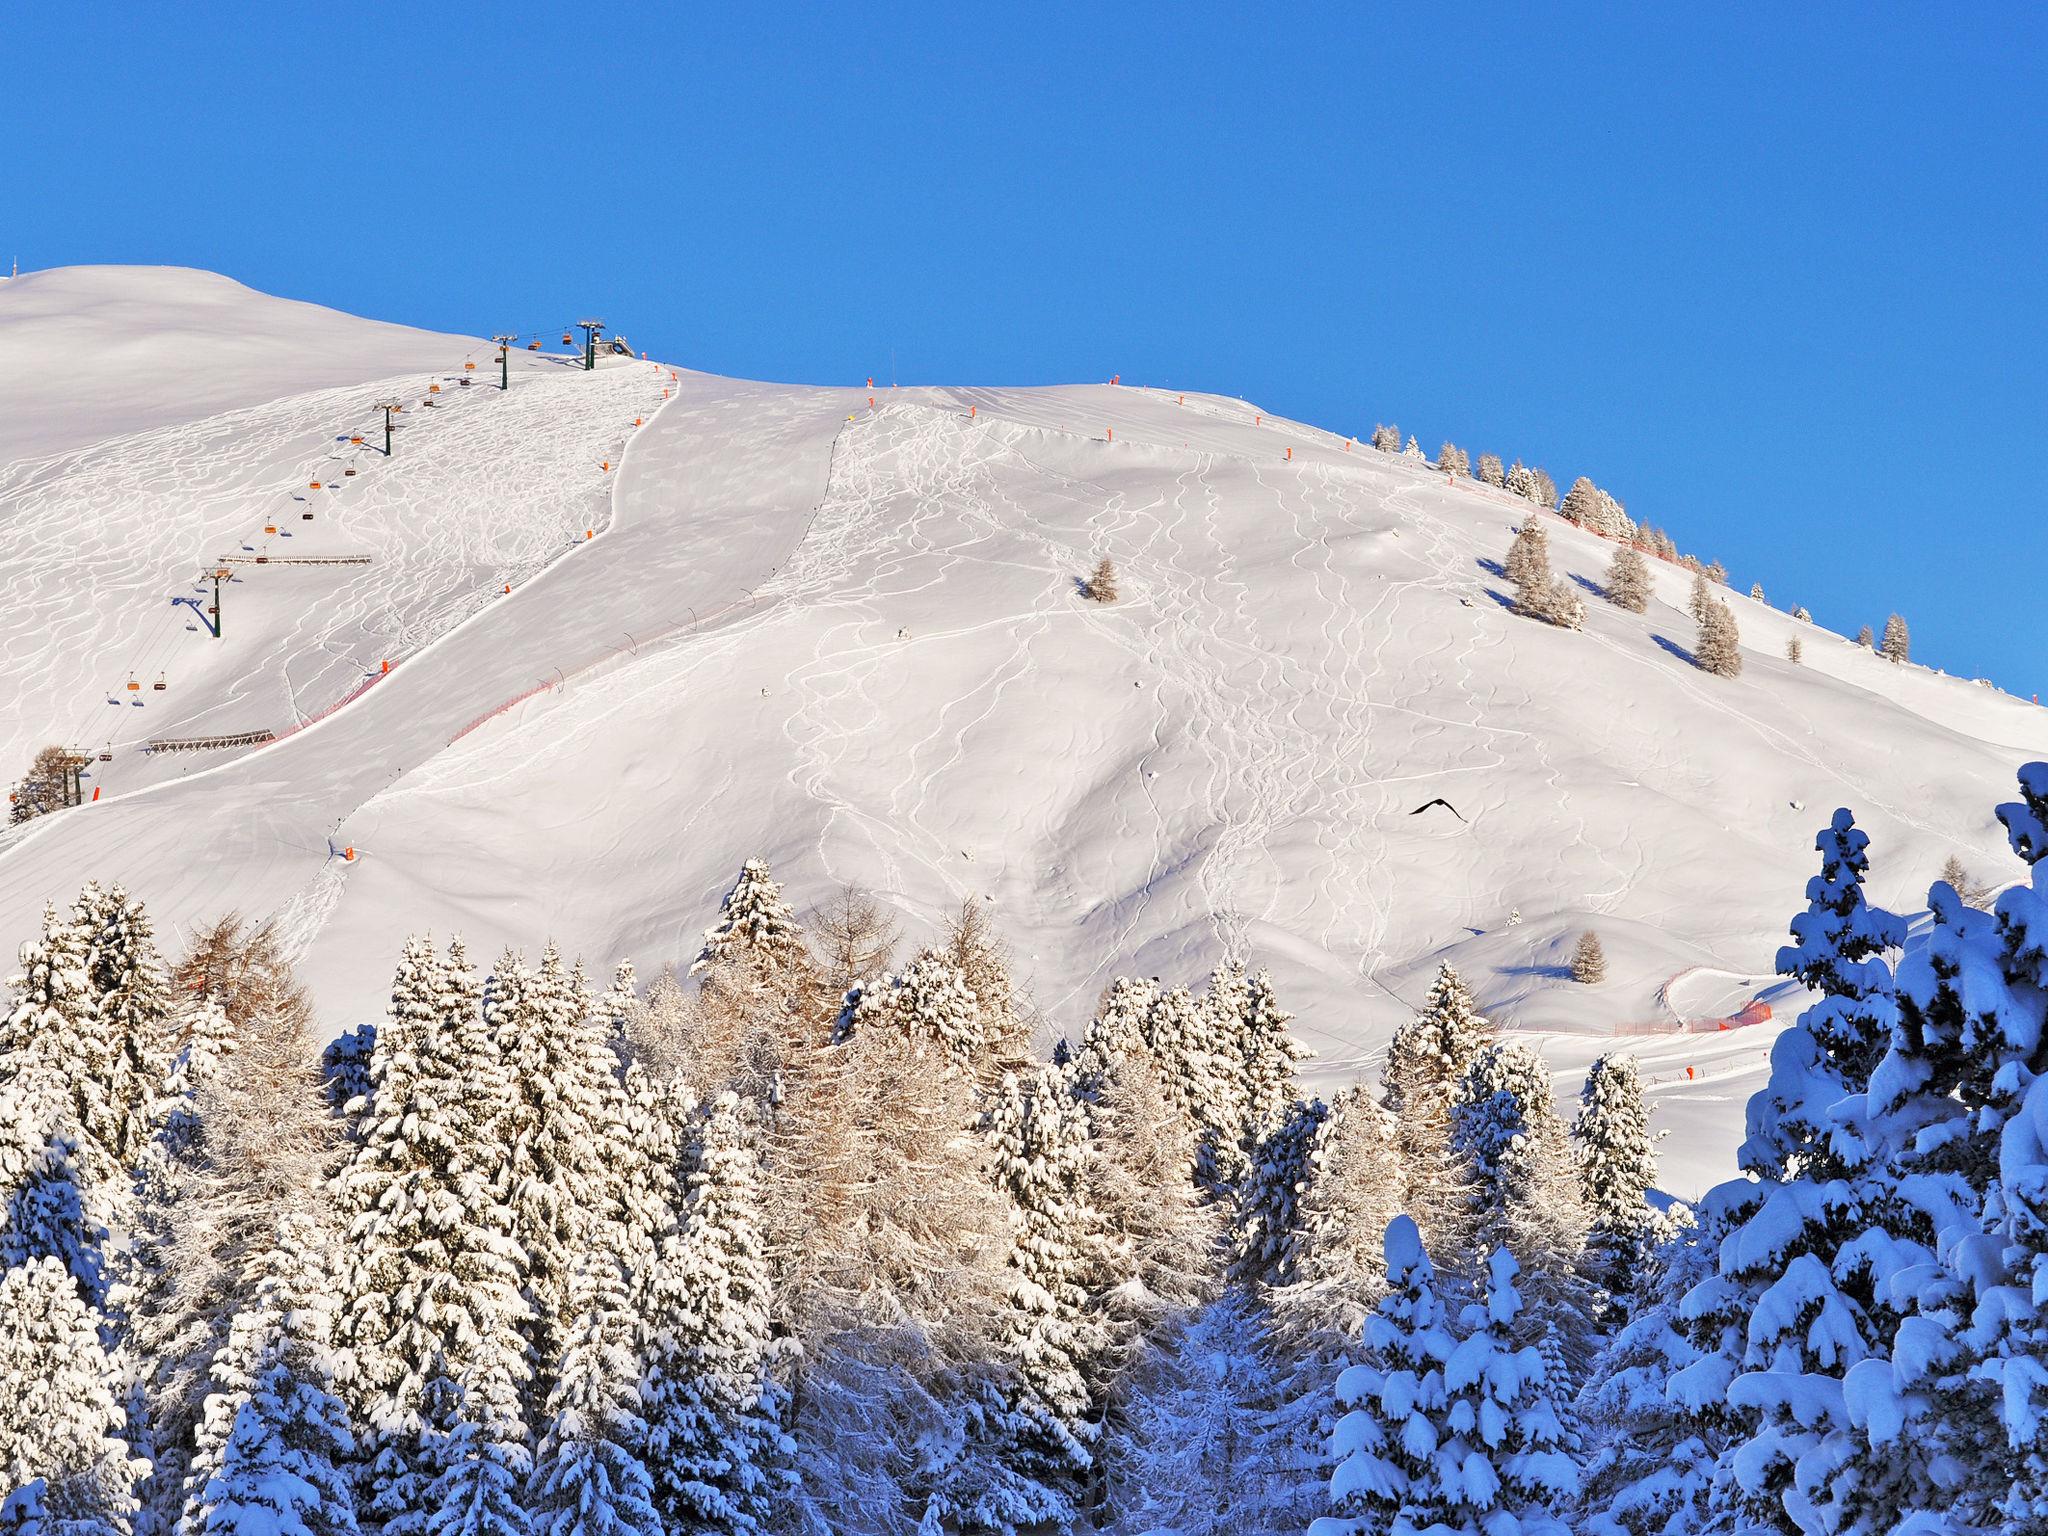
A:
(849, 639)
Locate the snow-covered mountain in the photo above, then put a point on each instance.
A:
(841, 628)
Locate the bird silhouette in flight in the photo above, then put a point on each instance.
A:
(1438, 801)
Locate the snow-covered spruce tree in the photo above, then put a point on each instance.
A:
(1589, 960)
(1838, 950)
(713, 1440)
(1101, 584)
(345, 1068)
(756, 927)
(1617, 1168)
(1700, 604)
(1650, 1462)
(1522, 1193)
(1388, 1476)
(588, 1478)
(554, 1098)
(1866, 639)
(1427, 1062)
(758, 990)
(1199, 1068)
(1491, 471)
(1156, 1255)
(433, 1284)
(928, 997)
(1806, 1288)
(620, 1008)
(1040, 1152)
(477, 1490)
(1794, 651)
(1898, 642)
(1330, 1269)
(1200, 1445)
(1717, 573)
(1448, 1433)
(1255, 1059)
(1413, 450)
(1628, 579)
(60, 1420)
(1756, 591)
(274, 1444)
(1521, 481)
(1719, 650)
(1387, 438)
(1453, 460)
(134, 1004)
(1263, 1237)
(1799, 612)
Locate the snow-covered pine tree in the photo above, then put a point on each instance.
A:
(1794, 651)
(1628, 579)
(1387, 439)
(1838, 952)
(1413, 450)
(620, 1008)
(1264, 1242)
(345, 1067)
(1898, 642)
(1717, 573)
(1330, 1269)
(1387, 1475)
(978, 953)
(1617, 1169)
(1865, 638)
(1799, 612)
(1491, 471)
(1040, 1152)
(928, 997)
(1515, 1473)
(1427, 1062)
(1582, 503)
(1528, 568)
(1198, 1447)
(1756, 591)
(60, 1419)
(1589, 960)
(555, 1095)
(588, 1478)
(713, 1440)
(1522, 1194)
(133, 1011)
(59, 1189)
(478, 1489)
(1651, 1462)
(1101, 585)
(756, 927)
(274, 1443)
(1701, 601)
(433, 1283)
(1199, 1068)
(1160, 1236)
(1719, 650)
(1453, 460)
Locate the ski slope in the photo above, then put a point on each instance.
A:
(849, 638)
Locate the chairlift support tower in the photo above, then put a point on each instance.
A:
(590, 328)
(504, 363)
(389, 411)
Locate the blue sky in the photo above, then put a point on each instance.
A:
(1772, 275)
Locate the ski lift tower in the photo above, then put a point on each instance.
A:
(389, 411)
(590, 328)
(210, 617)
(504, 366)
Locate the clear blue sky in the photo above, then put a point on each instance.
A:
(1774, 276)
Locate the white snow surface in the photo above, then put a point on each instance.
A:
(850, 640)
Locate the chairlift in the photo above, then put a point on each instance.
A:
(357, 441)
(306, 517)
(316, 485)
(469, 367)
(133, 685)
(568, 340)
(106, 755)
(160, 684)
(347, 473)
(270, 527)
(533, 346)
(433, 389)
(463, 381)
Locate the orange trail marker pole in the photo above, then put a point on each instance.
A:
(1112, 434)
(95, 792)
(606, 466)
(970, 413)
(387, 668)
(871, 402)
(1290, 454)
